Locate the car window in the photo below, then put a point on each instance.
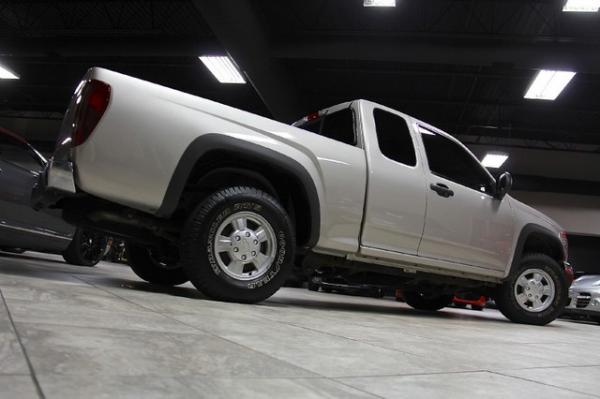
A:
(393, 135)
(451, 161)
(337, 125)
(17, 154)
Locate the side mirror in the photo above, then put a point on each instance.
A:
(503, 185)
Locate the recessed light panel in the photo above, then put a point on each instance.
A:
(582, 6)
(6, 74)
(379, 3)
(548, 84)
(223, 69)
(494, 160)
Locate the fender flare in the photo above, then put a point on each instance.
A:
(526, 232)
(212, 142)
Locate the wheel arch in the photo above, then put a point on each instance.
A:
(537, 239)
(213, 156)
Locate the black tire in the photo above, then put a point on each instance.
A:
(313, 287)
(199, 257)
(86, 248)
(506, 298)
(427, 301)
(460, 305)
(326, 290)
(154, 268)
(475, 307)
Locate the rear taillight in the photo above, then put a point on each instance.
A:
(91, 103)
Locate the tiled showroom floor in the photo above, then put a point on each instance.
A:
(70, 332)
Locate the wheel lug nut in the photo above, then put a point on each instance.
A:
(243, 257)
(236, 249)
(253, 253)
(255, 242)
(247, 234)
(237, 238)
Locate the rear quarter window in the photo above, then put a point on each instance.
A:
(337, 125)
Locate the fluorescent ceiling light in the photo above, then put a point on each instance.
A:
(582, 6)
(379, 3)
(6, 74)
(547, 85)
(222, 68)
(494, 160)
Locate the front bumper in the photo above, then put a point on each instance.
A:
(569, 273)
(584, 303)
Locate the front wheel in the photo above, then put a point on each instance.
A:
(423, 300)
(155, 266)
(536, 293)
(238, 245)
(86, 248)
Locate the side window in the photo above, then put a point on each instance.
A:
(449, 160)
(17, 154)
(394, 137)
(339, 126)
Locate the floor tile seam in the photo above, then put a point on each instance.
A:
(169, 317)
(545, 384)
(32, 374)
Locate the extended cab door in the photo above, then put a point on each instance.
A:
(396, 193)
(465, 223)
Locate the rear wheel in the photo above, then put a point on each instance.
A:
(155, 266)
(238, 245)
(86, 248)
(313, 286)
(536, 293)
(424, 300)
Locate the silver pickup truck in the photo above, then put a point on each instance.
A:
(233, 201)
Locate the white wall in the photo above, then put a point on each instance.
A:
(578, 214)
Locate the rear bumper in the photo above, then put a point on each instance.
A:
(55, 183)
(481, 301)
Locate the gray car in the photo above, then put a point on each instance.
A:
(21, 227)
(584, 297)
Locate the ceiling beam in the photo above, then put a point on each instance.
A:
(239, 29)
(570, 56)
(106, 47)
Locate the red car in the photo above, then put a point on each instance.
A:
(476, 303)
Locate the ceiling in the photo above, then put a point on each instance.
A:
(462, 65)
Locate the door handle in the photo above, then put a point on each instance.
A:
(442, 190)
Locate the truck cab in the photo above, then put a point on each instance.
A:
(426, 194)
